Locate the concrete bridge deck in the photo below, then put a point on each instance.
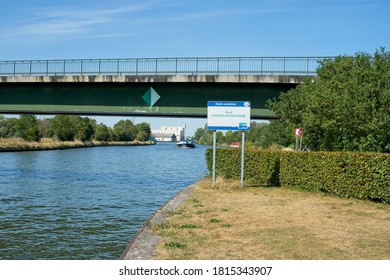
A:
(171, 87)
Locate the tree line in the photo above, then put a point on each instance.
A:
(260, 134)
(70, 128)
(346, 107)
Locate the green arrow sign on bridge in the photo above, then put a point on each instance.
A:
(151, 97)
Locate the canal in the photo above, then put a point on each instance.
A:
(87, 203)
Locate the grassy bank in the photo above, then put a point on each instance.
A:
(18, 144)
(225, 222)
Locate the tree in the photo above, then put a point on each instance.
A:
(64, 127)
(85, 128)
(276, 133)
(142, 136)
(346, 107)
(204, 136)
(45, 128)
(7, 127)
(255, 133)
(26, 127)
(199, 134)
(220, 137)
(143, 131)
(124, 130)
(232, 136)
(102, 133)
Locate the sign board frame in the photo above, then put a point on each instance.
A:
(228, 115)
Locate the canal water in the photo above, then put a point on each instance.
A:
(87, 203)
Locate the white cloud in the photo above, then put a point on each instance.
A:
(58, 23)
(68, 22)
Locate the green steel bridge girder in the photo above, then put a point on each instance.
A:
(173, 99)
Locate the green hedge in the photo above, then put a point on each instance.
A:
(261, 167)
(358, 175)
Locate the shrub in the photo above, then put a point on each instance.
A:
(261, 167)
(345, 174)
(358, 175)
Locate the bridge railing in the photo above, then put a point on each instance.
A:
(164, 66)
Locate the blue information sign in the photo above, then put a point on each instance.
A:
(228, 115)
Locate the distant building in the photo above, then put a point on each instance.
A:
(164, 137)
(169, 133)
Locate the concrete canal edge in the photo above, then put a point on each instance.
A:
(142, 245)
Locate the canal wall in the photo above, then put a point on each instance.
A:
(142, 245)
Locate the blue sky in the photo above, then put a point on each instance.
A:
(44, 29)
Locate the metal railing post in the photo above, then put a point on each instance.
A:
(261, 66)
(307, 67)
(14, 68)
(136, 66)
(156, 65)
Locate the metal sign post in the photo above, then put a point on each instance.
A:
(214, 153)
(242, 158)
(298, 133)
(300, 144)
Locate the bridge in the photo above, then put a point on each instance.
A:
(170, 87)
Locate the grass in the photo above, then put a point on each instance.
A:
(226, 222)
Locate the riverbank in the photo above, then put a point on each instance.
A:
(19, 145)
(226, 222)
(142, 245)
